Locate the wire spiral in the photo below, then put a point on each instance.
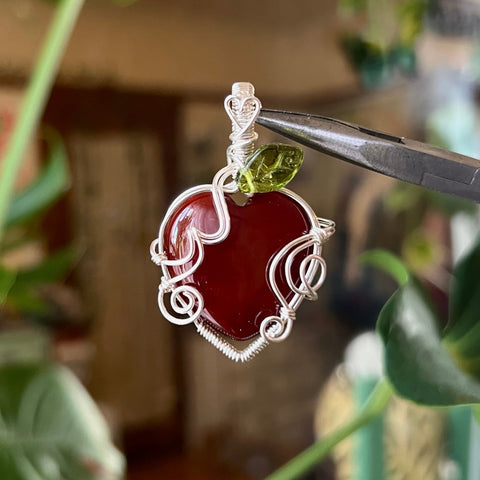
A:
(185, 300)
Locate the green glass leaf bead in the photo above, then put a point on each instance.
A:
(269, 168)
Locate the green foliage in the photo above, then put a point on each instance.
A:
(376, 65)
(421, 252)
(305, 461)
(408, 13)
(448, 204)
(388, 263)
(51, 270)
(422, 365)
(52, 182)
(353, 6)
(19, 289)
(378, 52)
(402, 197)
(405, 196)
(26, 345)
(462, 336)
(50, 429)
(411, 14)
(7, 280)
(35, 99)
(23, 294)
(368, 59)
(417, 364)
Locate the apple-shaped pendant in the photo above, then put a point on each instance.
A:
(235, 289)
(239, 271)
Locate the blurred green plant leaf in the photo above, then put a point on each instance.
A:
(462, 336)
(20, 289)
(404, 196)
(421, 252)
(368, 59)
(7, 280)
(376, 53)
(50, 184)
(25, 345)
(450, 205)
(14, 238)
(403, 58)
(420, 364)
(357, 50)
(27, 300)
(352, 6)
(411, 14)
(53, 269)
(50, 429)
(388, 262)
(417, 364)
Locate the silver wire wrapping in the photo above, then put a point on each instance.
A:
(243, 108)
(185, 301)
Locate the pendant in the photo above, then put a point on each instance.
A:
(235, 262)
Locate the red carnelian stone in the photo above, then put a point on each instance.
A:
(233, 275)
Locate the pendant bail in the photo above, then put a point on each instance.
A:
(243, 109)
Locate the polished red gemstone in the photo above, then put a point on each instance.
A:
(233, 275)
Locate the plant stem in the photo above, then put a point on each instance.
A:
(476, 413)
(368, 455)
(306, 460)
(35, 99)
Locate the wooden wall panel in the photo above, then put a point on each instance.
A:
(117, 200)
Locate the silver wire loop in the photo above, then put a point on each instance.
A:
(243, 108)
(326, 228)
(185, 301)
(157, 257)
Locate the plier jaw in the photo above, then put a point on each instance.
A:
(397, 157)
